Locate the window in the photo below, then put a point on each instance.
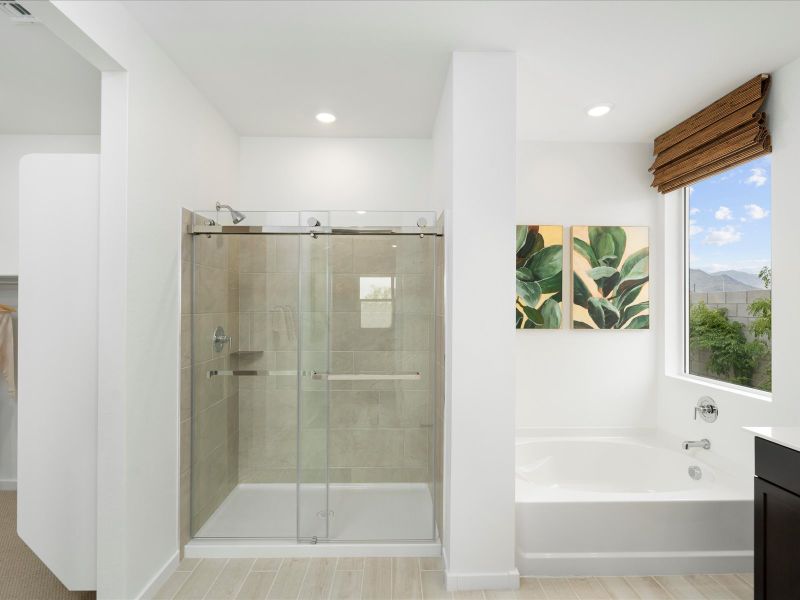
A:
(376, 295)
(729, 278)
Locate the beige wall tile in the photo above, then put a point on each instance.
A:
(345, 293)
(366, 447)
(211, 251)
(283, 289)
(287, 251)
(341, 254)
(349, 408)
(211, 289)
(186, 287)
(374, 255)
(415, 447)
(252, 292)
(252, 254)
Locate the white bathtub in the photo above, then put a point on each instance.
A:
(612, 505)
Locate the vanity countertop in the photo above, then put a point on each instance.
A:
(785, 436)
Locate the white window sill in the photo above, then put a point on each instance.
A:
(723, 387)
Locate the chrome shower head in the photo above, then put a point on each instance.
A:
(236, 216)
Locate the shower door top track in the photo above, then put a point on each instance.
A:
(319, 230)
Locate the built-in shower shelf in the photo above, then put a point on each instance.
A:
(246, 352)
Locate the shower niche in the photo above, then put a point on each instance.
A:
(316, 377)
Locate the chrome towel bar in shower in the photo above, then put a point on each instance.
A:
(402, 376)
(406, 376)
(248, 373)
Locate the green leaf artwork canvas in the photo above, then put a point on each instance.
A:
(539, 276)
(610, 277)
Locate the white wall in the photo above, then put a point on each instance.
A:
(12, 148)
(577, 378)
(57, 388)
(334, 174)
(177, 151)
(480, 198)
(731, 446)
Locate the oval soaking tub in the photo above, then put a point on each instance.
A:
(613, 505)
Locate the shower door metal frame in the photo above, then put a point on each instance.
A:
(313, 232)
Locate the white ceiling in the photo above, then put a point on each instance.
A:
(45, 87)
(379, 66)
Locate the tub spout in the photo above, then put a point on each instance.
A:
(705, 444)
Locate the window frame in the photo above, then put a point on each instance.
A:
(685, 265)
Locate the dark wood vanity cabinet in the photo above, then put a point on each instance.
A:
(777, 522)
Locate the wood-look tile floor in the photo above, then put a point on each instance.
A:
(417, 578)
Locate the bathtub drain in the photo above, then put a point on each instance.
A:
(695, 472)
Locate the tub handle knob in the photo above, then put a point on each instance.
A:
(707, 409)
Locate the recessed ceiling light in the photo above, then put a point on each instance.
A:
(361, 212)
(325, 117)
(599, 110)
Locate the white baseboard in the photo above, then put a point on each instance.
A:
(584, 564)
(8, 485)
(160, 578)
(504, 580)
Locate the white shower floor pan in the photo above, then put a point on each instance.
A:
(391, 519)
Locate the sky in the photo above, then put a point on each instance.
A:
(730, 219)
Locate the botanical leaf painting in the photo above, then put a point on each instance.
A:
(610, 274)
(539, 276)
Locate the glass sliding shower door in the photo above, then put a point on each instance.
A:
(314, 370)
(313, 408)
(375, 379)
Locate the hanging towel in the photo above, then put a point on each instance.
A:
(7, 351)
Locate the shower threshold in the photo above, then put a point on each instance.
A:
(377, 519)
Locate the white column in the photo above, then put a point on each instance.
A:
(476, 145)
(57, 514)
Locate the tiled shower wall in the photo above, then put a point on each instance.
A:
(212, 465)
(379, 431)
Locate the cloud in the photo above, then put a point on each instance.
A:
(694, 211)
(758, 177)
(694, 229)
(723, 236)
(755, 212)
(723, 214)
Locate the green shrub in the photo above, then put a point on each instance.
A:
(731, 356)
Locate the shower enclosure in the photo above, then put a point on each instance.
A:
(317, 386)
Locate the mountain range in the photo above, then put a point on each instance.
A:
(723, 281)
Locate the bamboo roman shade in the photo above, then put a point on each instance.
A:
(724, 134)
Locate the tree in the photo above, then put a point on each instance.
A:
(731, 356)
(761, 309)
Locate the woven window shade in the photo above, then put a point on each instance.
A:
(731, 131)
